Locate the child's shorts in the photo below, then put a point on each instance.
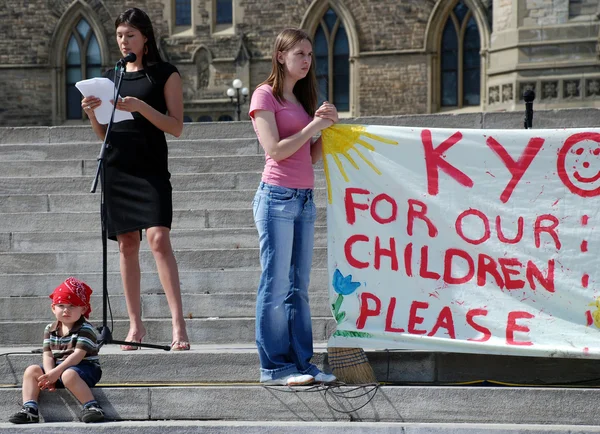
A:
(88, 371)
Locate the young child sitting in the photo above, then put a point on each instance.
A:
(70, 357)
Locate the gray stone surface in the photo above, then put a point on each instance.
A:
(5, 242)
(24, 203)
(238, 363)
(86, 202)
(24, 135)
(154, 306)
(73, 167)
(463, 120)
(208, 331)
(89, 150)
(215, 364)
(180, 182)
(574, 118)
(387, 404)
(234, 130)
(205, 238)
(243, 427)
(42, 168)
(211, 281)
(84, 221)
(119, 404)
(187, 260)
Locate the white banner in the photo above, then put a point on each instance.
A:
(461, 240)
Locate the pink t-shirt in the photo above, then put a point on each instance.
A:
(296, 171)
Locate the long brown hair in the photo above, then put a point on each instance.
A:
(137, 18)
(305, 89)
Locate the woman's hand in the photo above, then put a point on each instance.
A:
(327, 111)
(321, 123)
(88, 104)
(130, 104)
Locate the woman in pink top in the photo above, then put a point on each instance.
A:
(285, 120)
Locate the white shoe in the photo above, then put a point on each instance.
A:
(322, 377)
(295, 379)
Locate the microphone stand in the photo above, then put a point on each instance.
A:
(105, 332)
(528, 97)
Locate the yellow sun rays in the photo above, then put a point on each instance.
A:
(596, 313)
(338, 140)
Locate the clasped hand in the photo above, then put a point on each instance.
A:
(327, 112)
(48, 381)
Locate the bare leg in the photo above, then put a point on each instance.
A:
(77, 386)
(160, 244)
(129, 248)
(31, 390)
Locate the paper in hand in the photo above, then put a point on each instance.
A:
(102, 88)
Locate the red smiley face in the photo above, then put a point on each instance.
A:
(578, 164)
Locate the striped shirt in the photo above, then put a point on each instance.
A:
(81, 336)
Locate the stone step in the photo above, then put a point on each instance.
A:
(202, 331)
(90, 221)
(303, 427)
(63, 168)
(180, 182)
(74, 263)
(207, 199)
(238, 363)
(84, 133)
(211, 281)
(417, 404)
(200, 238)
(90, 150)
(74, 167)
(584, 117)
(154, 306)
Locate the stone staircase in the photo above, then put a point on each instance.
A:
(50, 229)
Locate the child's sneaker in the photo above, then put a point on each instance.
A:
(92, 413)
(25, 415)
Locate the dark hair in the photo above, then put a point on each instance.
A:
(137, 18)
(305, 89)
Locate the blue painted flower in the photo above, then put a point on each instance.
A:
(344, 285)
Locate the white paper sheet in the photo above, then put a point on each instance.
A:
(102, 88)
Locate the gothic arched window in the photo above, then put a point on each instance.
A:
(460, 59)
(183, 12)
(332, 57)
(224, 12)
(83, 60)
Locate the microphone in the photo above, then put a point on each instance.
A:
(127, 59)
(528, 97)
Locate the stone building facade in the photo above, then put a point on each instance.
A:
(374, 57)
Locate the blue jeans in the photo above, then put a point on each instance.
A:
(285, 219)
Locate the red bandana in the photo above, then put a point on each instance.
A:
(73, 291)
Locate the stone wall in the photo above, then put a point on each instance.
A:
(391, 87)
(392, 72)
(26, 96)
(544, 12)
(583, 8)
(503, 13)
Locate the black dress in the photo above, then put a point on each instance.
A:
(138, 187)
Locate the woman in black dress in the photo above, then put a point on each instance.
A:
(138, 187)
